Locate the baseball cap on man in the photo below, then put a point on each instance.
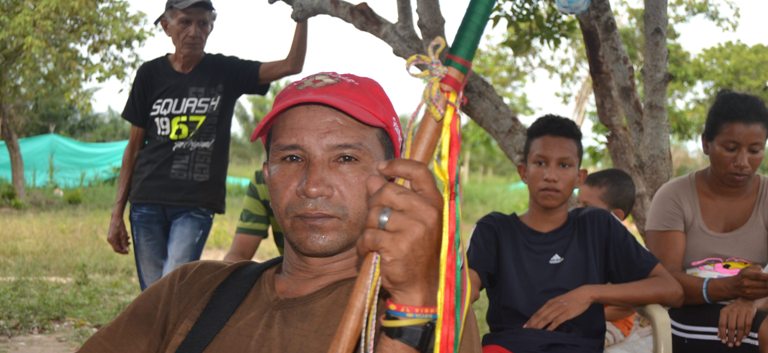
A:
(183, 4)
(359, 97)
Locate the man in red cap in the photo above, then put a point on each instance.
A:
(330, 142)
(174, 167)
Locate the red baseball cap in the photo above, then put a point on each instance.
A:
(359, 97)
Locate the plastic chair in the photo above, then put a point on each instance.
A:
(661, 324)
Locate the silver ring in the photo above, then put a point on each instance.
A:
(384, 217)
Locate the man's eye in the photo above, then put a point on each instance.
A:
(565, 165)
(347, 159)
(292, 158)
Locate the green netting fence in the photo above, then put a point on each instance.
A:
(64, 162)
(57, 160)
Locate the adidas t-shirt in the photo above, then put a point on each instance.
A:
(521, 268)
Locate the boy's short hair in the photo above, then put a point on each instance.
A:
(618, 189)
(553, 125)
(734, 107)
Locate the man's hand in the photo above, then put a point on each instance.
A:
(409, 243)
(736, 321)
(117, 235)
(561, 309)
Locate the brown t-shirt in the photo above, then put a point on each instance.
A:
(159, 319)
(676, 207)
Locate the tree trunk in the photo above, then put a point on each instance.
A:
(639, 133)
(14, 151)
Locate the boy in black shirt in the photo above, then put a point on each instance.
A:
(545, 271)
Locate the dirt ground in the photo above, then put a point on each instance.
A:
(60, 341)
(57, 342)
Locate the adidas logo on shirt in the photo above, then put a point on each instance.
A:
(556, 259)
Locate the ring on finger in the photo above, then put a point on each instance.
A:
(384, 217)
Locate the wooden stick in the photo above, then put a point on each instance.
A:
(424, 144)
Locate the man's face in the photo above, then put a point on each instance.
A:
(319, 160)
(551, 172)
(590, 196)
(189, 29)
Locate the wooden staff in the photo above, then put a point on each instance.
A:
(424, 143)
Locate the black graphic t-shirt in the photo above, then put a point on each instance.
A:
(521, 269)
(187, 120)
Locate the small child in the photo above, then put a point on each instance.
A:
(613, 190)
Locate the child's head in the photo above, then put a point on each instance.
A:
(556, 126)
(551, 160)
(611, 189)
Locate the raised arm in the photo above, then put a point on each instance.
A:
(117, 236)
(293, 63)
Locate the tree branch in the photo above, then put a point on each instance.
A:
(363, 18)
(431, 22)
(488, 110)
(404, 15)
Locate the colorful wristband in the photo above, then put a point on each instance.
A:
(403, 322)
(410, 309)
(400, 314)
(704, 290)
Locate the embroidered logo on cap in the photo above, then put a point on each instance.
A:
(321, 80)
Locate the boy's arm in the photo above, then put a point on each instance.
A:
(659, 287)
(477, 285)
(243, 247)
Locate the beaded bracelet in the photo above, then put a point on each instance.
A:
(410, 309)
(396, 313)
(704, 290)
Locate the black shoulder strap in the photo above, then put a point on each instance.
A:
(223, 303)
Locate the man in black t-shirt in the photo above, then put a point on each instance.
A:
(545, 271)
(174, 167)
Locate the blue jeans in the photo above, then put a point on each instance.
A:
(166, 237)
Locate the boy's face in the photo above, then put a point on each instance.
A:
(551, 172)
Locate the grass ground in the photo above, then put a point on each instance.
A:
(55, 264)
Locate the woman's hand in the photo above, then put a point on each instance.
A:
(751, 283)
(736, 321)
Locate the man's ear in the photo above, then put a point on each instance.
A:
(164, 24)
(522, 171)
(265, 172)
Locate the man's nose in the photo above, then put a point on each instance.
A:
(315, 183)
